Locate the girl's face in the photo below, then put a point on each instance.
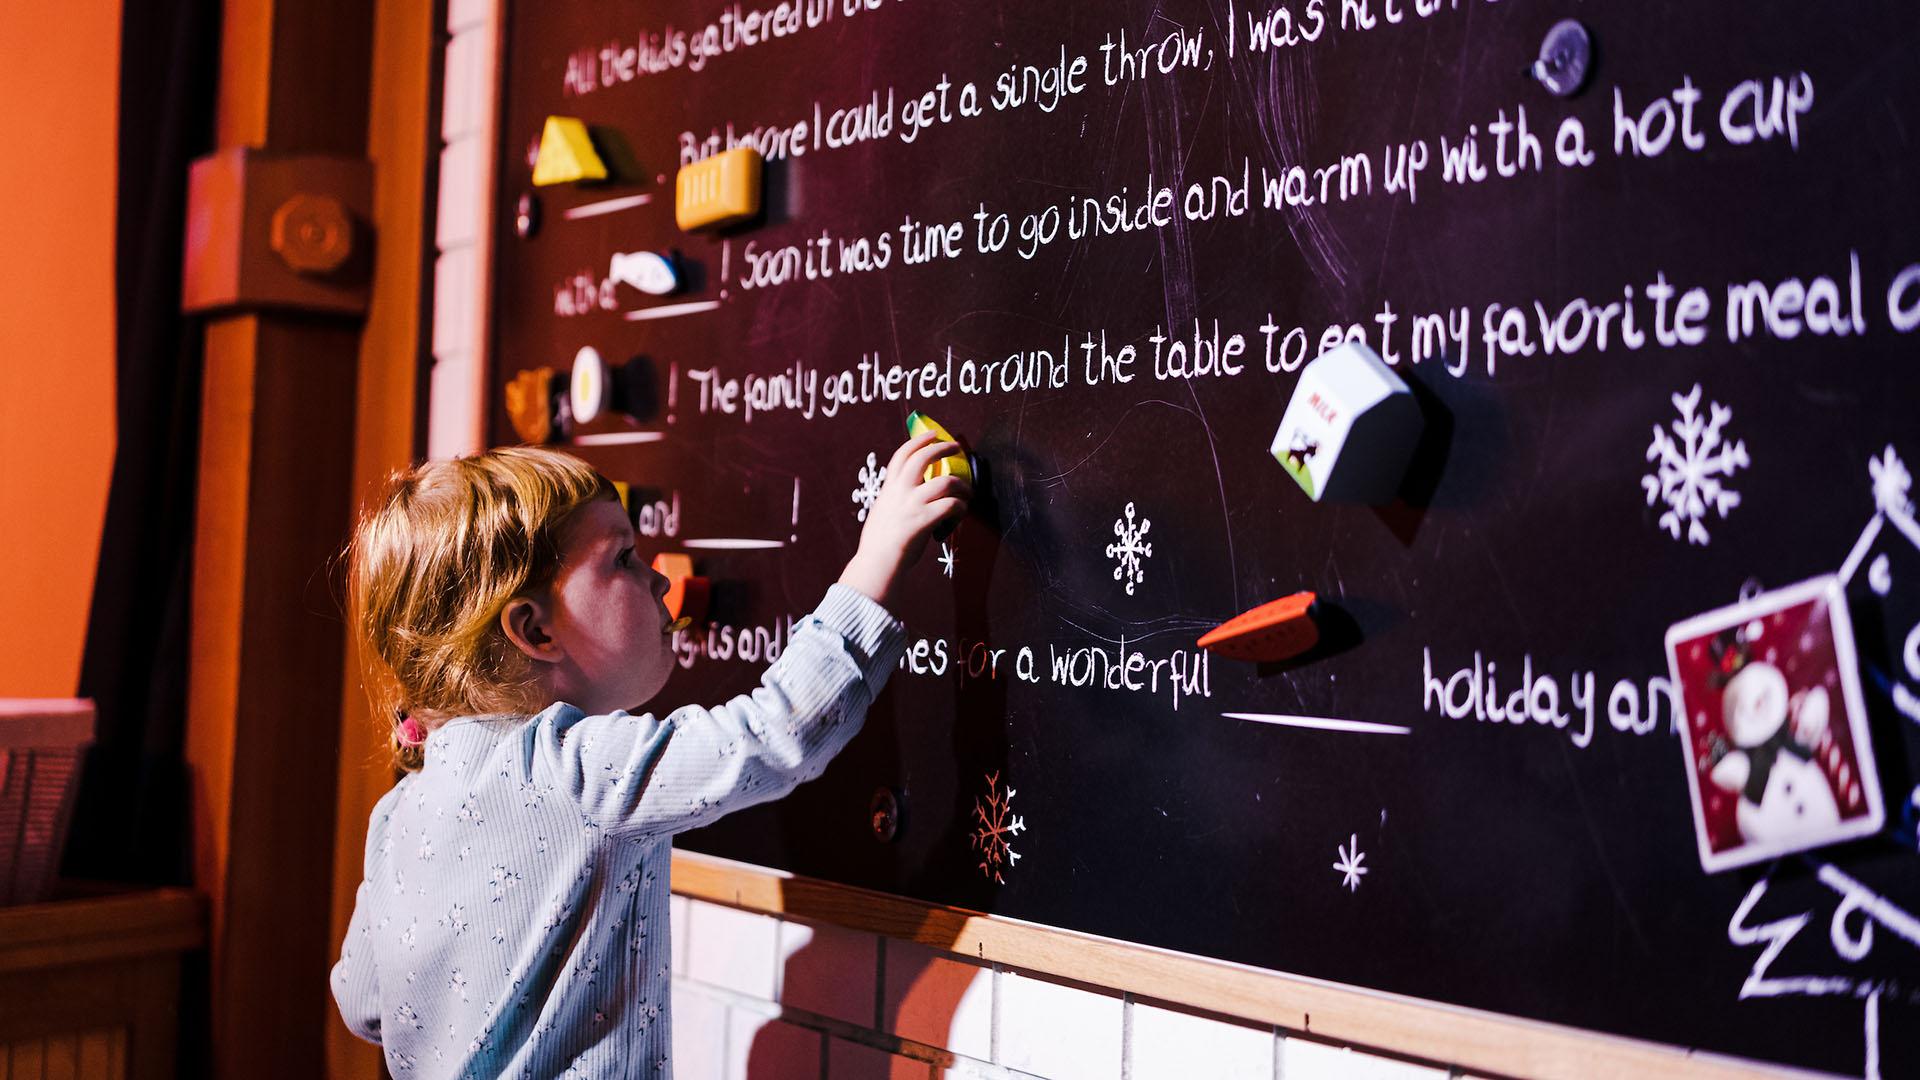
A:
(607, 617)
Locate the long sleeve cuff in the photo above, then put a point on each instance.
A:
(874, 636)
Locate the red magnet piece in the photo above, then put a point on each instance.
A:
(1273, 631)
(686, 593)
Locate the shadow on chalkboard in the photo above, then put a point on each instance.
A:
(634, 387)
(779, 205)
(1896, 750)
(623, 166)
(779, 202)
(730, 600)
(1404, 514)
(1340, 631)
(1896, 742)
(694, 275)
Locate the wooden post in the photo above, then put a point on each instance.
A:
(275, 494)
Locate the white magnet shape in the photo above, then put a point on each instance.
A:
(1349, 432)
(589, 392)
(648, 271)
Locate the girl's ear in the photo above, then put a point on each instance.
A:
(524, 620)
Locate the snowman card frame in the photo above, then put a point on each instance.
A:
(1852, 708)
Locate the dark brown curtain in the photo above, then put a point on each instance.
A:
(130, 821)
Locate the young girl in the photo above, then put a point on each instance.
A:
(513, 917)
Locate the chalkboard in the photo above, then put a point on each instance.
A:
(1662, 336)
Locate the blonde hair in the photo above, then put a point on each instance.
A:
(436, 560)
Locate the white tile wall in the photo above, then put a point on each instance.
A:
(762, 1048)
(938, 999)
(730, 948)
(1004, 1026)
(829, 970)
(465, 14)
(699, 1035)
(455, 421)
(457, 217)
(677, 924)
(1303, 1059)
(1167, 1045)
(455, 277)
(1057, 1031)
(467, 92)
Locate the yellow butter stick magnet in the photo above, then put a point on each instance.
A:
(717, 191)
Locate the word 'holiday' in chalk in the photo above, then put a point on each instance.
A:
(1532, 698)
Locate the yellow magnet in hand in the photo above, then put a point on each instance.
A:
(718, 190)
(566, 154)
(952, 464)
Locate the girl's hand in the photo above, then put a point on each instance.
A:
(904, 515)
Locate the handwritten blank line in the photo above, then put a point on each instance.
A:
(609, 438)
(606, 206)
(668, 311)
(730, 544)
(1319, 723)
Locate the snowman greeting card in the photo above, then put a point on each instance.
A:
(1774, 730)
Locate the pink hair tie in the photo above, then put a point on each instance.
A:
(411, 733)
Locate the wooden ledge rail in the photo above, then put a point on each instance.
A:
(1467, 1039)
(67, 932)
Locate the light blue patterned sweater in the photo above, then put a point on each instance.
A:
(513, 919)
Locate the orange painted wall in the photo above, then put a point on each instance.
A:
(59, 105)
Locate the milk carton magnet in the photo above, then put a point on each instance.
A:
(1349, 432)
(1773, 726)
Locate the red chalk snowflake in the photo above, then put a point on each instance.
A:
(993, 839)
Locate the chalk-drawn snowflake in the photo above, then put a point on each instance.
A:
(1349, 865)
(1130, 548)
(872, 475)
(998, 825)
(946, 559)
(1691, 466)
(1892, 484)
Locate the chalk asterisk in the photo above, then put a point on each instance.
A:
(1349, 865)
(946, 559)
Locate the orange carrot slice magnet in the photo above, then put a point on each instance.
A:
(1273, 631)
